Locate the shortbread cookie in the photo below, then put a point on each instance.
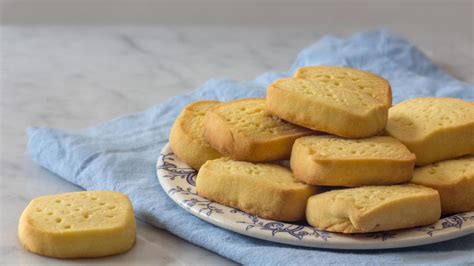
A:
(266, 190)
(374, 208)
(78, 225)
(334, 161)
(358, 80)
(454, 180)
(435, 129)
(333, 103)
(187, 135)
(243, 130)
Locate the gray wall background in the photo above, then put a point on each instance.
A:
(443, 29)
(319, 13)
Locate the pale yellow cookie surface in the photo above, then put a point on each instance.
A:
(334, 161)
(243, 130)
(454, 180)
(359, 80)
(187, 135)
(435, 129)
(331, 101)
(78, 225)
(374, 208)
(266, 190)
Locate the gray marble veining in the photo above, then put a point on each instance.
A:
(75, 77)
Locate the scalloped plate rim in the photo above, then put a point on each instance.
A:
(289, 234)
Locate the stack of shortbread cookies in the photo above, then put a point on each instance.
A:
(339, 129)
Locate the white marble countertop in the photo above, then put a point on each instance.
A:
(74, 77)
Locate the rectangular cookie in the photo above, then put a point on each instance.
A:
(453, 179)
(434, 129)
(243, 130)
(266, 190)
(78, 225)
(374, 208)
(334, 161)
(187, 135)
(332, 101)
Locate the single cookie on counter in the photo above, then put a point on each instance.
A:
(454, 180)
(374, 208)
(435, 129)
(334, 161)
(266, 190)
(187, 135)
(342, 101)
(243, 130)
(78, 225)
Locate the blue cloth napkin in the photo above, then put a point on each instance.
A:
(121, 154)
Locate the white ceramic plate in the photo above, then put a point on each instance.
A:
(178, 181)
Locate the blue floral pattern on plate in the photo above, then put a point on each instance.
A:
(178, 180)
